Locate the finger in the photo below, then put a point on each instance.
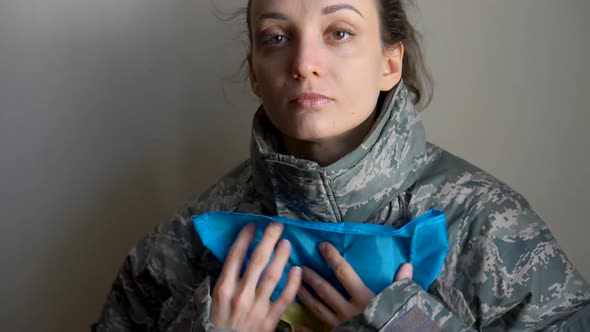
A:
(261, 255)
(237, 252)
(224, 289)
(406, 271)
(317, 308)
(330, 295)
(244, 297)
(275, 271)
(287, 296)
(351, 281)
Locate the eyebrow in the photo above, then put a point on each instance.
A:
(271, 15)
(340, 6)
(325, 11)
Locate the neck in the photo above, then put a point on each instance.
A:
(326, 152)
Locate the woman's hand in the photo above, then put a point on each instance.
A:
(333, 308)
(243, 304)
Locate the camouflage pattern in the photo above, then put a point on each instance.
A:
(504, 270)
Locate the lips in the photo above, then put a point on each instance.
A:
(311, 100)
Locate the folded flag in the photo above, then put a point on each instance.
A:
(375, 252)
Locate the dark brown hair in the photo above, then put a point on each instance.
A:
(395, 29)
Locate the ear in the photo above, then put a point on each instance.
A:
(253, 81)
(392, 67)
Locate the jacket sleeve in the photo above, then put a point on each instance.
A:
(163, 283)
(505, 271)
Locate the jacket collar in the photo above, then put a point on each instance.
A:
(356, 187)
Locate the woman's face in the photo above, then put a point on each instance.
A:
(319, 65)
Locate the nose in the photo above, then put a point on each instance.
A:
(307, 58)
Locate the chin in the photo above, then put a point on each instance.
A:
(312, 136)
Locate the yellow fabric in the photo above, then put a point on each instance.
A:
(298, 315)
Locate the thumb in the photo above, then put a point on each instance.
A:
(406, 271)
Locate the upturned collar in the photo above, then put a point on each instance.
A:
(354, 188)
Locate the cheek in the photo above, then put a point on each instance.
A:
(360, 83)
(270, 87)
(268, 79)
(359, 65)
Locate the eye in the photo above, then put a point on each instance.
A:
(341, 35)
(275, 39)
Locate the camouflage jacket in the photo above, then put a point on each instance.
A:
(504, 270)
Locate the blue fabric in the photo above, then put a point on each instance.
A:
(374, 251)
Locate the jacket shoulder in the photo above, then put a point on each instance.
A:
(230, 192)
(177, 233)
(502, 255)
(454, 185)
(164, 267)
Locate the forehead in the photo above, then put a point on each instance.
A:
(310, 7)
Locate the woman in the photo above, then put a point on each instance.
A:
(337, 138)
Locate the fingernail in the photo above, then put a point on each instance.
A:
(322, 246)
(285, 243)
(406, 271)
(304, 272)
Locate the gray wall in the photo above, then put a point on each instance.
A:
(112, 113)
